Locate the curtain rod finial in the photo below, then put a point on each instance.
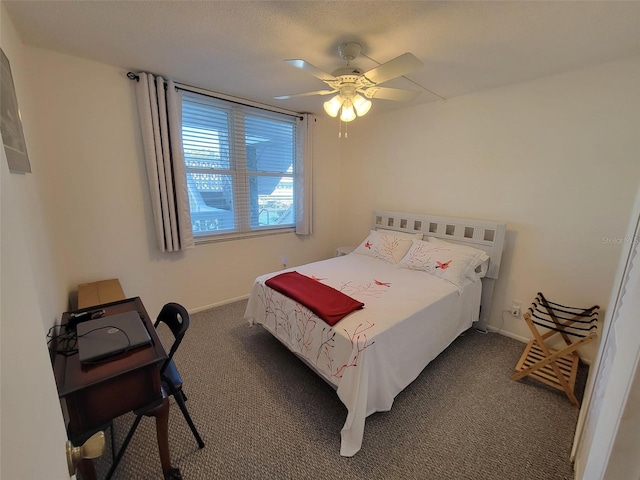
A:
(133, 76)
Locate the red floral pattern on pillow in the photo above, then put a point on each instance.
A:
(443, 260)
(386, 246)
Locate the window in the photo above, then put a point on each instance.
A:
(241, 164)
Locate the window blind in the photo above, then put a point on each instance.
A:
(241, 164)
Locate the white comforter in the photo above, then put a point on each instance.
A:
(371, 355)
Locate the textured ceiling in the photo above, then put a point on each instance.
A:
(238, 47)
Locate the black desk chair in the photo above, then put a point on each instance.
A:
(176, 317)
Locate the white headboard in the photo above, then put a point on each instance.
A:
(484, 235)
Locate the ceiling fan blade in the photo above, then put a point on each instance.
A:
(386, 93)
(397, 67)
(308, 94)
(311, 69)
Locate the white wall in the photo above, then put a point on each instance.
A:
(31, 425)
(556, 159)
(87, 133)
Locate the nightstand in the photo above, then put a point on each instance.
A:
(340, 251)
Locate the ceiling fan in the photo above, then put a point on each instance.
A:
(352, 84)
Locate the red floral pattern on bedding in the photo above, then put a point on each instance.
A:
(297, 326)
(370, 289)
(359, 342)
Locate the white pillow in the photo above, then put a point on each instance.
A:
(411, 236)
(480, 271)
(386, 245)
(444, 260)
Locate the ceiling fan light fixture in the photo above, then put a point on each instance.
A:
(348, 114)
(362, 105)
(332, 107)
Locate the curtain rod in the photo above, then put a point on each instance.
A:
(228, 98)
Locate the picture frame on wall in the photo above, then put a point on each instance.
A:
(15, 146)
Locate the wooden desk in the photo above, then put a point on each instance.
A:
(97, 394)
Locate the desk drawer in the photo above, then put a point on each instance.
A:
(98, 404)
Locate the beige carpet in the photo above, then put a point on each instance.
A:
(264, 415)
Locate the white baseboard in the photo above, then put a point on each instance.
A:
(219, 304)
(506, 333)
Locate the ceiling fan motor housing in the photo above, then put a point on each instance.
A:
(347, 72)
(345, 84)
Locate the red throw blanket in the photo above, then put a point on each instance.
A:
(326, 302)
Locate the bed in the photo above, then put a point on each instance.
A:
(409, 317)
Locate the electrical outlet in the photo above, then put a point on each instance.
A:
(515, 308)
(285, 262)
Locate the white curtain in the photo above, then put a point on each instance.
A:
(303, 177)
(160, 115)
